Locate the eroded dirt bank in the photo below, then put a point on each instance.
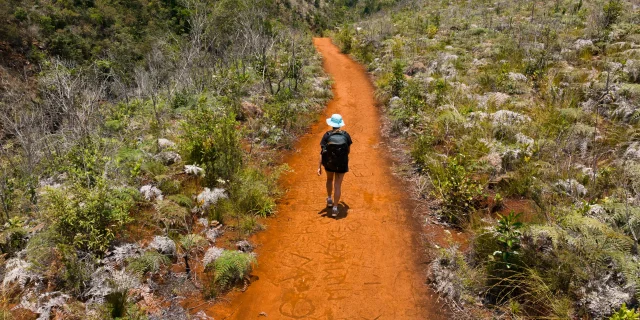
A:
(363, 265)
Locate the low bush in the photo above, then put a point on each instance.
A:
(231, 268)
(459, 192)
(89, 218)
(77, 267)
(12, 236)
(625, 314)
(254, 192)
(345, 39)
(172, 216)
(150, 262)
(211, 140)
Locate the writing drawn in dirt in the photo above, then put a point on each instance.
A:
(359, 266)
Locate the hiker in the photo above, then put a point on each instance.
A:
(334, 156)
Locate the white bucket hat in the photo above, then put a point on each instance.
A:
(335, 121)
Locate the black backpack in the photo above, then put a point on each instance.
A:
(335, 154)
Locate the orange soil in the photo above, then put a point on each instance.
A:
(365, 264)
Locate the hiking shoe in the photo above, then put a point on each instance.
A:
(329, 203)
(334, 212)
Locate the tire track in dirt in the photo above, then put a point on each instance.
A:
(362, 265)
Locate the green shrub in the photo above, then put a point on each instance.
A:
(211, 140)
(625, 314)
(12, 236)
(188, 244)
(249, 224)
(508, 237)
(85, 161)
(224, 208)
(151, 261)
(612, 11)
(397, 80)
(422, 147)
(75, 275)
(88, 218)
(460, 194)
(167, 185)
(232, 267)
(345, 39)
(153, 168)
(253, 192)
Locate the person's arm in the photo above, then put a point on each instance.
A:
(322, 144)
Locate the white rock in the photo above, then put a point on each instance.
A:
(513, 76)
(210, 197)
(494, 159)
(212, 234)
(525, 141)
(211, 255)
(506, 117)
(168, 157)
(632, 68)
(163, 245)
(121, 253)
(448, 57)
(165, 143)
(573, 187)
(497, 98)
(151, 193)
(581, 43)
(18, 271)
(244, 246)
(193, 170)
(44, 303)
(596, 210)
(633, 151)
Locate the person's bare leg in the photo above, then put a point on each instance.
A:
(337, 188)
(330, 176)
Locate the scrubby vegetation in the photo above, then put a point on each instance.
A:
(135, 135)
(522, 121)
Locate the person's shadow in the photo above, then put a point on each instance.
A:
(343, 211)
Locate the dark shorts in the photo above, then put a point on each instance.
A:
(341, 170)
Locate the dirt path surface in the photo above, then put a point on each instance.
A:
(364, 264)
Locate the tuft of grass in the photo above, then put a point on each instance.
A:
(150, 262)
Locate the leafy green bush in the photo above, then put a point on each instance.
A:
(88, 218)
(253, 192)
(397, 80)
(12, 236)
(153, 168)
(508, 237)
(459, 192)
(345, 39)
(611, 11)
(232, 267)
(625, 314)
(211, 140)
(167, 185)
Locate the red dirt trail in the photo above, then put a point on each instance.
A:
(364, 264)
